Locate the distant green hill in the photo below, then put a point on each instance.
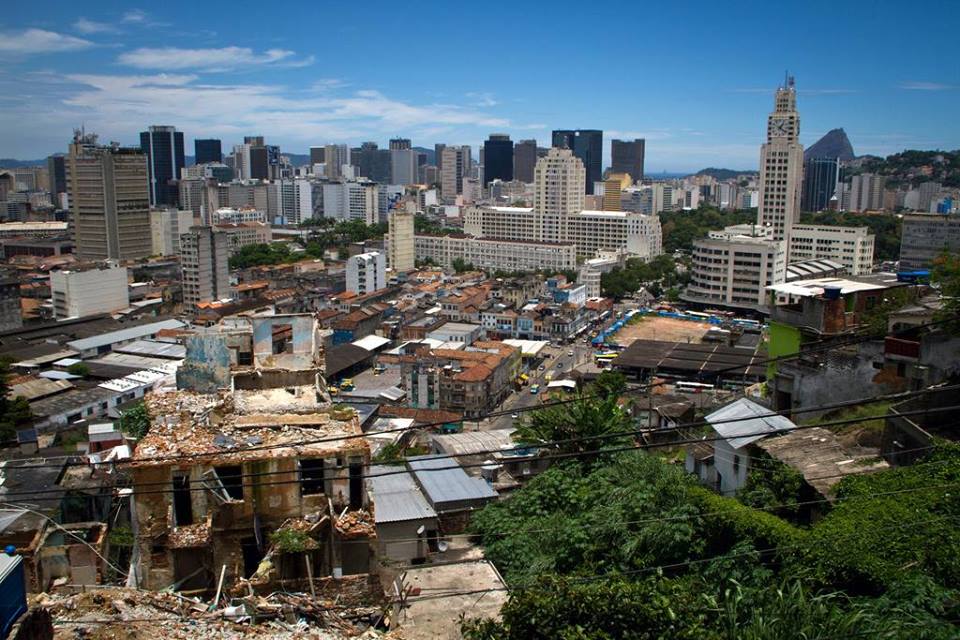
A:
(911, 167)
(723, 174)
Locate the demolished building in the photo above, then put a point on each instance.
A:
(248, 473)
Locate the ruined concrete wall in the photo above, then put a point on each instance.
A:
(207, 365)
(302, 327)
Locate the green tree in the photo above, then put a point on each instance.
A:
(135, 421)
(946, 276)
(610, 384)
(586, 424)
(79, 369)
(14, 412)
(461, 266)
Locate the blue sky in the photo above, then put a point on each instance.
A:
(695, 78)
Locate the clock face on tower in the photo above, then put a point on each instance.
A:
(779, 127)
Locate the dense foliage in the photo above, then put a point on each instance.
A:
(14, 412)
(946, 276)
(658, 275)
(910, 168)
(424, 225)
(681, 228)
(884, 227)
(630, 546)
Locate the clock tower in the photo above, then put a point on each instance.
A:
(781, 166)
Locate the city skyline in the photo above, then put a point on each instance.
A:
(118, 70)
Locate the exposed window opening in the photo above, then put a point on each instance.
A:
(311, 476)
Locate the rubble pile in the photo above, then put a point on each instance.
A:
(131, 614)
(357, 524)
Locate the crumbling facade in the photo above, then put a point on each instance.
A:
(260, 480)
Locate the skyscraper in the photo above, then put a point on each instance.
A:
(207, 150)
(866, 192)
(371, 162)
(820, 178)
(524, 160)
(438, 155)
(164, 148)
(557, 193)
(109, 196)
(781, 166)
(317, 155)
(336, 156)
(626, 156)
(403, 166)
(497, 158)
(57, 173)
(456, 166)
(204, 255)
(399, 144)
(586, 144)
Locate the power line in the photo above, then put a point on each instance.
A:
(550, 456)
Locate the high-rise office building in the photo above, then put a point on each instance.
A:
(926, 236)
(866, 192)
(626, 156)
(438, 155)
(400, 242)
(403, 165)
(207, 150)
(455, 167)
(399, 144)
(204, 255)
(613, 187)
(336, 156)
(371, 162)
(524, 160)
(497, 158)
(317, 155)
(586, 144)
(164, 148)
(109, 196)
(781, 166)
(820, 179)
(57, 173)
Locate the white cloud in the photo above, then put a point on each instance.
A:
(222, 58)
(483, 98)
(927, 86)
(40, 41)
(134, 16)
(84, 25)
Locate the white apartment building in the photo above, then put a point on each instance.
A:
(351, 201)
(592, 270)
(290, 201)
(225, 215)
(499, 254)
(204, 262)
(590, 231)
(366, 273)
(733, 267)
(401, 252)
(850, 246)
(403, 166)
(77, 294)
(166, 225)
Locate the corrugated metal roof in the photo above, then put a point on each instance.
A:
(396, 497)
(371, 342)
(444, 481)
(745, 430)
(155, 349)
(132, 333)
